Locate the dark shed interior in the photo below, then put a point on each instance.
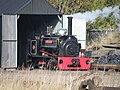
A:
(28, 27)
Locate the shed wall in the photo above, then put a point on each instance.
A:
(9, 41)
(0, 37)
(78, 29)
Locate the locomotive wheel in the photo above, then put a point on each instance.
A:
(52, 64)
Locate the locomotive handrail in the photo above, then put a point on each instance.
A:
(47, 53)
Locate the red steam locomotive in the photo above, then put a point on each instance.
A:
(57, 51)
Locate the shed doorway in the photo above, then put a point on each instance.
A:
(28, 27)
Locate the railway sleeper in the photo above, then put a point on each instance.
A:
(90, 85)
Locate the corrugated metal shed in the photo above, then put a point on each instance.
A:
(0, 38)
(27, 7)
(32, 17)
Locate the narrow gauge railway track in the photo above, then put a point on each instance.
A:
(106, 67)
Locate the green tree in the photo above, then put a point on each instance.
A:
(109, 22)
(74, 6)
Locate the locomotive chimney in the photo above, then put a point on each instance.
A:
(70, 26)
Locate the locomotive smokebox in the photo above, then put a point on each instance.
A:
(70, 26)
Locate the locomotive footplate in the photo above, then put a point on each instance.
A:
(65, 63)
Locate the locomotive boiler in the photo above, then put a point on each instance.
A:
(55, 51)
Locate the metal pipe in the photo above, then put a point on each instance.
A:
(70, 26)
